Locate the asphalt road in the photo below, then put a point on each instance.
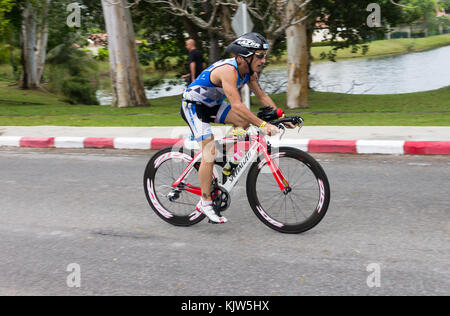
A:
(80, 217)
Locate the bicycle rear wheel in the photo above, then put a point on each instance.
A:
(174, 205)
(304, 206)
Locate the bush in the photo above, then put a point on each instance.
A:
(4, 55)
(418, 34)
(103, 54)
(79, 90)
(74, 73)
(145, 53)
(399, 35)
(321, 44)
(151, 83)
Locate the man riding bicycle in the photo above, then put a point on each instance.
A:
(203, 103)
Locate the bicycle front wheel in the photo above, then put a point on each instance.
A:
(298, 210)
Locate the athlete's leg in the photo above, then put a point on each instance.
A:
(226, 115)
(237, 121)
(205, 175)
(201, 129)
(203, 134)
(205, 172)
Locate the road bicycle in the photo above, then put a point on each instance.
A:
(286, 188)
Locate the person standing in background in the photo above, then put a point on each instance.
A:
(195, 61)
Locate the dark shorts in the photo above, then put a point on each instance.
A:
(199, 116)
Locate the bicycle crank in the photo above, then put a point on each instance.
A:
(221, 198)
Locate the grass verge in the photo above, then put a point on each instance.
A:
(32, 108)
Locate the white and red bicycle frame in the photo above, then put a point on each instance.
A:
(253, 148)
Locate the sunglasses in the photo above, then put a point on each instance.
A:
(260, 55)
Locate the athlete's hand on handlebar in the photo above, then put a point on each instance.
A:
(270, 129)
(289, 125)
(275, 116)
(289, 122)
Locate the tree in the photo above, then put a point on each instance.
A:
(42, 39)
(298, 57)
(91, 17)
(162, 40)
(5, 7)
(444, 4)
(270, 16)
(28, 44)
(9, 19)
(33, 39)
(422, 12)
(124, 63)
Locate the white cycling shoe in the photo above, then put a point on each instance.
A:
(209, 211)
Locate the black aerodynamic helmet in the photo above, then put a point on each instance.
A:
(247, 44)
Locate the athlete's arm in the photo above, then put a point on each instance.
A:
(263, 98)
(226, 76)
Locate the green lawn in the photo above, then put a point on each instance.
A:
(30, 108)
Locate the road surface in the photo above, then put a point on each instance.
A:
(76, 222)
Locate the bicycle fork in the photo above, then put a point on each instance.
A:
(283, 184)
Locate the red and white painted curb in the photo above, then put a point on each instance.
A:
(396, 147)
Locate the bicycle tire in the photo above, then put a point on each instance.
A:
(158, 200)
(312, 170)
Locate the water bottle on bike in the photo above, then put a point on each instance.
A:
(230, 165)
(240, 134)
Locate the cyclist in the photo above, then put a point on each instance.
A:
(203, 103)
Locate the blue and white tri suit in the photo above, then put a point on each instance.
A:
(203, 102)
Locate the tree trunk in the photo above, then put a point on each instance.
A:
(28, 42)
(310, 34)
(214, 50)
(192, 30)
(297, 50)
(225, 18)
(124, 64)
(42, 39)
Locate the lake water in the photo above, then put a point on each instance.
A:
(405, 73)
